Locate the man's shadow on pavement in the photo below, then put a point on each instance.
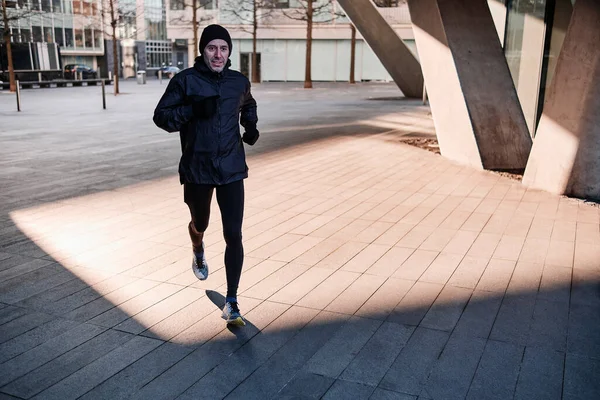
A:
(239, 331)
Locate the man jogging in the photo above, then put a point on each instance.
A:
(206, 104)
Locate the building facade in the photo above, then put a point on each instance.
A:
(75, 26)
(281, 44)
(142, 37)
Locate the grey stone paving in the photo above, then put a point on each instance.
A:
(374, 270)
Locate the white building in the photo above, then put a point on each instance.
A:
(282, 41)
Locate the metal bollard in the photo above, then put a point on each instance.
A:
(39, 76)
(110, 75)
(160, 77)
(424, 94)
(103, 95)
(18, 96)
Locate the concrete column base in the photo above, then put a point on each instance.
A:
(477, 115)
(565, 158)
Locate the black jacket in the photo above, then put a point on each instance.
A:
(212, 149)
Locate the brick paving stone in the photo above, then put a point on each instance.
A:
(496, 375)
(373, 361)
(485, 288)
(410, 370)
(581, 378)
(541, 375)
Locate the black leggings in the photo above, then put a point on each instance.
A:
(230, 198)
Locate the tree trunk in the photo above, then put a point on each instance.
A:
(195, 26)
(309, 23)
(113, 24)
(352, 52)
(255, 77)
(11, 69)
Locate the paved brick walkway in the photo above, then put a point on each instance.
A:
(373, 269)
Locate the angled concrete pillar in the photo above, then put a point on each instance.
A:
(477, 115)
(395, 56)
(565, 158)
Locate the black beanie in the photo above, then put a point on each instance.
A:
(213, 32)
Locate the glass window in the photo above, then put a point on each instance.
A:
(23, 4)
(46, 5)
(89, 39)
(68, 5)
(56, 6)
(524, 49)
(48, 36)
(76, 7)
(78, 38)
(25, 35)
(97, 39)
(127, 19)
(58, 37)
(156, 20)
(177, 4)
(159, 53)
(37, 33)
(211, 5)
(277, 4)
(87, 8)
(69, 39)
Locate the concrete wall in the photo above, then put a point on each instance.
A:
(110, 57)
(283, 60)
(498, 10)
(141, 55)
(565, 158)
(475, 108)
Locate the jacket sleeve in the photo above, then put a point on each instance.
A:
(248, 111)
(172, 113)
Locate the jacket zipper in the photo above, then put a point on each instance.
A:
(219, 130)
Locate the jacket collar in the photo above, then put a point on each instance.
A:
(201, 66)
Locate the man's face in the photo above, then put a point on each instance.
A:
(216, 54)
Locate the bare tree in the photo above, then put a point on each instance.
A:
(111, 16)
(253, 13)
(115, 16)
(352, 52)
(11, 14)
(194, 6)
(113, 24)
(312, 11)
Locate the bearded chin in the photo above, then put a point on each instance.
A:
(209, 64)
